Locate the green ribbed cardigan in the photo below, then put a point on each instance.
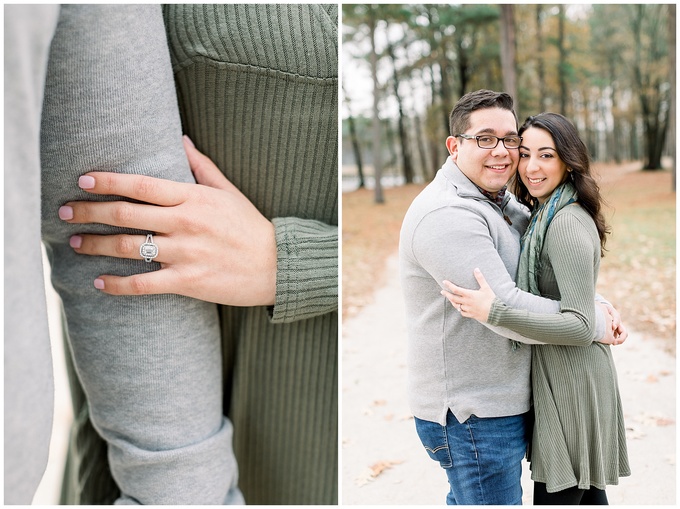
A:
(579, 435)
(257, 90)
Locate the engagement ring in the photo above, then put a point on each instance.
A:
(148, 250)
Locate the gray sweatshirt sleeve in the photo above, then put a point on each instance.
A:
(458, 242)
(149, 365)
(28, 380)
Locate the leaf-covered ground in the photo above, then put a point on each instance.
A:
(637, 273)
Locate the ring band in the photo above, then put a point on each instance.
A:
(148, 250)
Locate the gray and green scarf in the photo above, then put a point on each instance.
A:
(534, 236)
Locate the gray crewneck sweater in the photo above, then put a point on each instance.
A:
(457, 363)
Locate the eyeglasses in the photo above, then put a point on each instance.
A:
(489, 141)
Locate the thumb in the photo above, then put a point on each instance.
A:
(481, 279)
(204, 170)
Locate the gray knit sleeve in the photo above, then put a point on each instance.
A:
(149, 365)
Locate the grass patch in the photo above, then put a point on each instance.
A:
(638, 271)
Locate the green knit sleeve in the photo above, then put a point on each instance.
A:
(307, 269)
(569, 265)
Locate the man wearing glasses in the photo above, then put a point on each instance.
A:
(469, 388)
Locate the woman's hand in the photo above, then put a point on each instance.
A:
(615, 332)
(471, 303)
(213, 244)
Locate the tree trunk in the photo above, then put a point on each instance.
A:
(406, 163)
(433, 145)
(562, 66)
(445, 92)
(541, 59)
(615, 140)
(392, 162)
(657, 135)
(463, 70)
(649, 106)
(377, 147)
(671, 67)
(355, 141)
(357, 151)
(508, 50)
(418, 129)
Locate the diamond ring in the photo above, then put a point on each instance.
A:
(148, 250)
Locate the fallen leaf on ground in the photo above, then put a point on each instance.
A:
(634, 434)
(374, 471)
(663, 421)
(379, 467)
(654, 420)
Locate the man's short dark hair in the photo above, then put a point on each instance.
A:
(459, 118)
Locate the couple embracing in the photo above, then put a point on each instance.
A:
(521, 366)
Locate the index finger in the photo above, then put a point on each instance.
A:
(452, 288)
(138, 187)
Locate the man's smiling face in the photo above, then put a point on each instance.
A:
(490, 169)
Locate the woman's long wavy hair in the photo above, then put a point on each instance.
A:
(571, 149)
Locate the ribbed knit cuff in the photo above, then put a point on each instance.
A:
(307, 269)
(495, 312)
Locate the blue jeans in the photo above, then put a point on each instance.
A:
(481, 457)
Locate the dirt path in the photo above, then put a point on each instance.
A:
(383, 461)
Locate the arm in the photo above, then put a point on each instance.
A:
(238, 257)
(307, 269)
(267, 235)
(455, 240)
(150, 366)
(29, 388)
(571, 251)
(607, 320)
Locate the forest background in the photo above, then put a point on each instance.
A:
(609, 68)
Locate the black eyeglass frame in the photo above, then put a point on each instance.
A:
(476, 138)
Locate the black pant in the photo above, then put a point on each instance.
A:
(570, 496)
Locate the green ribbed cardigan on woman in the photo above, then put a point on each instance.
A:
(257, 90)
(579, 434)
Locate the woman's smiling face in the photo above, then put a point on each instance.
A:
(540, 168)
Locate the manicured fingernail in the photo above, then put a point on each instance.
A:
(76, 241)
(99, 284)
(188, 141)
(65, 212)
(86, 182)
